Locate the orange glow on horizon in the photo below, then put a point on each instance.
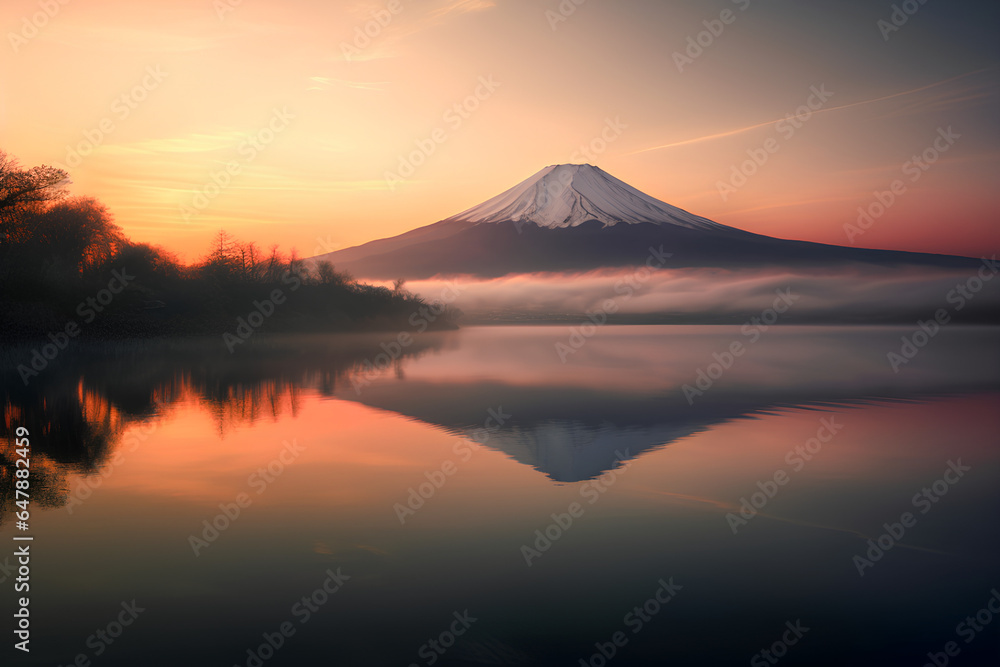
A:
(281, 125)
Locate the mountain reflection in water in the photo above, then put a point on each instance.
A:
(619, 395)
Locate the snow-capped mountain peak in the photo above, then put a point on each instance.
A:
(568, 195)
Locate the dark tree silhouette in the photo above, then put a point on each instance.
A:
(221, 262)
(59, 254)
(327, 274)
(75, 236)
(22, 191)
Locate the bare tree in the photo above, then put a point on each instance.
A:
(274, 265)
(223, 259)
(297, 265)
(250, 261)
(24, 191)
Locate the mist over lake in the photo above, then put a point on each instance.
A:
(459, 333)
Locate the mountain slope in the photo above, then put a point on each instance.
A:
(569, 195)
(578, 218)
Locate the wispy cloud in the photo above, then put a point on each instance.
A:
(183, 36)
(455, 7)
(326, 83)
(750, 128)
(191, 143)
(409, 23)
(947, 99)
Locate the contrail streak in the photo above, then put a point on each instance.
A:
(741, 130)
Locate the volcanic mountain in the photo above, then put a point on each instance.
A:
(577, 217)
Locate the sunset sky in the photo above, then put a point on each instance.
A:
(311, 116)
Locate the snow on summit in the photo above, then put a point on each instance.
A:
(568, 195)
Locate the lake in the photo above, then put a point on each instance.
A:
(546, 495)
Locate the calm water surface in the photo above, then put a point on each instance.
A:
(479, 501)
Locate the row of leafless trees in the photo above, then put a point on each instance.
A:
(235, 260)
